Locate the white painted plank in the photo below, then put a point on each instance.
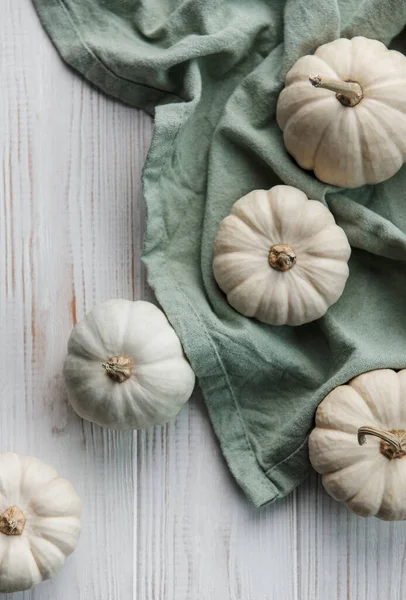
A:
(342, 556)
(70, 201)
(198, 537)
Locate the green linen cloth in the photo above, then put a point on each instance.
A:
(210, 71)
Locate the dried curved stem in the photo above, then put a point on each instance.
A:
(349, 93)
(391, 439)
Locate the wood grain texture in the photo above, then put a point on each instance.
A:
(163, 519)
(71, 222)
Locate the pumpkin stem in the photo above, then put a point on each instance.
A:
(281, 257)
(349, 93)
(393, 446)
(118, 368)
(12, 521)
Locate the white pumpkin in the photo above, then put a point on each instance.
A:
(39, 522)
(125, 367)
(359, 444)
(280, 257)
(343, 112)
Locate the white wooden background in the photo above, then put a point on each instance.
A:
(163, 519)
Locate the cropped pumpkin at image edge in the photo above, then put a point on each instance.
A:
(343, 112)
(39, 522)
(359, 444)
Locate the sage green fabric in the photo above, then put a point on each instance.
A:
(211, 71)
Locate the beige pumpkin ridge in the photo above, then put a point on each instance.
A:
(343, 112)
(125, 367)
(39, 522)
(359, 444)
(280, 257)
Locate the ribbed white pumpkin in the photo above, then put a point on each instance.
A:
(125, 367)
(369, 478)
(280, 257)
(39, 522)
(350, 129)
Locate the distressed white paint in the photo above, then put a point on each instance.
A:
(163, 519)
